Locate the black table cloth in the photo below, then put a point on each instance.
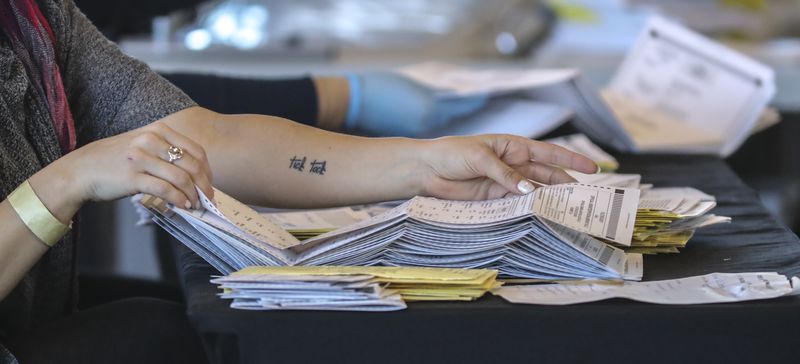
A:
(492, 330)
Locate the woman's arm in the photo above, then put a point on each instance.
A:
(19, 247)
(104, 170)
(272, 161)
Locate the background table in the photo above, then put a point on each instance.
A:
(492, 330)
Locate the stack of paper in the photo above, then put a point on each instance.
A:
(709, 288)
(411, 283)
(668, 217)
(279, 291)
(676, 92)
(552, 233)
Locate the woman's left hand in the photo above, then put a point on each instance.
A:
(496, 165)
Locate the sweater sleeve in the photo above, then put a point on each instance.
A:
(108, 91)
(291, 98)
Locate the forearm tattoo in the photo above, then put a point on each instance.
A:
(299, 164)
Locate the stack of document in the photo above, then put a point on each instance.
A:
(255, 287)
(553, 233)
(673, 94)
(668, 217)
(709, 288)
(281, 291)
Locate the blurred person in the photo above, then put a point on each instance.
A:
(83, 122)
(378, 103)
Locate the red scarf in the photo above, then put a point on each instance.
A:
(34, 43)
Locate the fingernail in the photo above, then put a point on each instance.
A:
(188, 205)
(525, 187)
(598, 169)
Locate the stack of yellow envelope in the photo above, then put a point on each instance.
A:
(411, 283)
(668, 217)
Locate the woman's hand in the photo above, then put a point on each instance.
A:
(493, 166)
(138, 161)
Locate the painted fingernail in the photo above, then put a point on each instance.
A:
(188, 205)
(598, 169)
(525, 187)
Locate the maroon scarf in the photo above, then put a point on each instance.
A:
(34, 43)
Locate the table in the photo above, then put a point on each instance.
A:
(492, 330)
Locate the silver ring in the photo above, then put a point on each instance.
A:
(174, 153)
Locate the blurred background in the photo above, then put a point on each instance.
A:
(272, 38)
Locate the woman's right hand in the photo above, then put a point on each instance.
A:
(138, 161)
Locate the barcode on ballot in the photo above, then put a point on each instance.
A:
(616, 210)
(605, 256)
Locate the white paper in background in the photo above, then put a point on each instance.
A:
(679, 91)
(521, 117)
(451, 79)
(709, 288)
(607, 212)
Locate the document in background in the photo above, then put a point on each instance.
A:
(679, 91)
(709, 288)
(516, 116)
(676, 92)
(511, 115)
(453, 80)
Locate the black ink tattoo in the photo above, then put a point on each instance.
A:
(317, 167)
(297, 163)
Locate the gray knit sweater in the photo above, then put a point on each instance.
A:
(109, 93)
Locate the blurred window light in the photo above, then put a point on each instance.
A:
(223, 23)
(246, 38)
(447, 27)
(197, 40)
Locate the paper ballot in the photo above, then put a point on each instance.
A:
(551, 233)
(709, 288)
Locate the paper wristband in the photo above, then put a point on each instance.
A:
(36, 216)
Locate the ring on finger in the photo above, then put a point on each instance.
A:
(174, 153)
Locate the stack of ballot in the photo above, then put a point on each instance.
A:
(709, 288)
(668, 217)
(672, 94)
(553, 233)
(279, 291)
(352, 288)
